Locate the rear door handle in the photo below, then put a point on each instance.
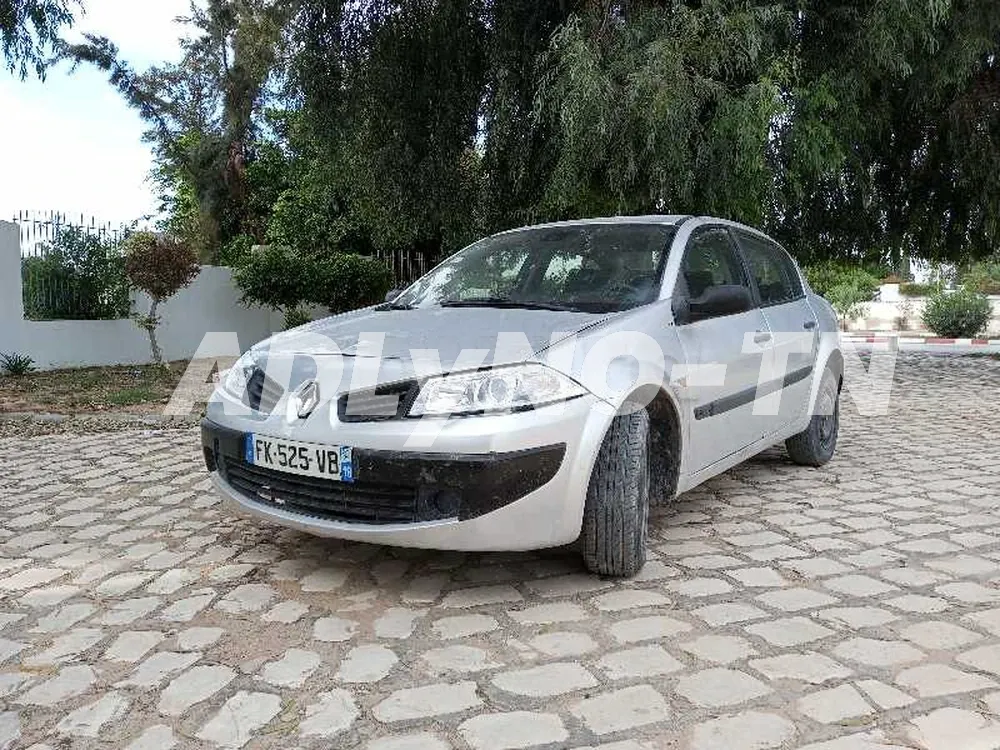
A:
(761, 337)
(809, 325)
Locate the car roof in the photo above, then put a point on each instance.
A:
(665, 219)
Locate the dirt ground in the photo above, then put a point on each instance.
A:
(133, 388)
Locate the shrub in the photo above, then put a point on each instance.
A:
(282, 279)
(16, 365)
(982, 277)
(236, 252)
(847, 288)
(295, 317)
(346, 281)
(160, 266)
(919, 290)
(274, 276)
(79, 276)
(961, 314)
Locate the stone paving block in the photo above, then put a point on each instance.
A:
(647, 628)
(334, 629)
(643, 661)
(884, 696)
(68, 683)
(719, 649)
(156, 737)
(334, 712)
(791, 631)
(198, 638)
(714, 688)
(750, 730)
(427, 701)
(622, 710)
(398, 622)
(550, 679)
(462, 626)
(933, 680)
(239, 719)
(878, 653)
(811, 667)
(950, 727)
(563, 644)
(615, 601)
(366, 664)
(834, 705)
(937, 635)
(90, 720)
(132, 645)
(158, 667)
(418, 741)
(194, 686)
(292, 669)
(519, 729)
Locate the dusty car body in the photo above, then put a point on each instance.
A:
(544, 385)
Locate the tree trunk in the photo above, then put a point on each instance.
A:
(151, 330)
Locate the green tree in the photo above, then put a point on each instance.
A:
(160, 266)
(205, 113)
(29, 30)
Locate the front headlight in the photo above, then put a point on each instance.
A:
(503, 389)
(238, 376)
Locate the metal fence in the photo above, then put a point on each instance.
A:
(71, 268)
(406, 265)
(40, 228)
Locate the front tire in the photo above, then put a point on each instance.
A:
(816, 445)
(616, 514)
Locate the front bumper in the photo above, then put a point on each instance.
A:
(456, 497)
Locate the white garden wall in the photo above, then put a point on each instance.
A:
(885, 314)
(210, 304)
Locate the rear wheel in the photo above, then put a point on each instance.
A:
(816, 445)
(616, 514)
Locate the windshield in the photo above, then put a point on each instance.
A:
(586, 267)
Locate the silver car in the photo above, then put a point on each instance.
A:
(543, 386)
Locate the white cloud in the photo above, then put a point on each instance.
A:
(70, 143)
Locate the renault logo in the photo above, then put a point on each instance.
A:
(306, 398)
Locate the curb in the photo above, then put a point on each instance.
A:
(885, 338)
(149, 420)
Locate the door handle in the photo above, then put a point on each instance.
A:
(809, 325)
(761, 337)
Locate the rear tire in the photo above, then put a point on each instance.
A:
(616, 514)
(816, 445)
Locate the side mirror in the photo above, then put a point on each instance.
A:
(392, 294)
(718, 301)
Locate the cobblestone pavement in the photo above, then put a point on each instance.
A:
(852, 607)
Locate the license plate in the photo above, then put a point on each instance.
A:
(308, 459)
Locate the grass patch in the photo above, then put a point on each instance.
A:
(141, 388)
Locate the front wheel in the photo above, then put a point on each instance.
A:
(816, 445)
(616, 513)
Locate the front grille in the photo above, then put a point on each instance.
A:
(389, 401)
(358, 502)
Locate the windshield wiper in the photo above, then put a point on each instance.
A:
(506, 303)
(394, 306)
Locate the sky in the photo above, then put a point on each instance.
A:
(69, 143)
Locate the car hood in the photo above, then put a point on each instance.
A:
(449, 331)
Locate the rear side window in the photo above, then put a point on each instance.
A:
(776, 276)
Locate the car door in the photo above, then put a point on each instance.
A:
(787, 369)
(723, 353)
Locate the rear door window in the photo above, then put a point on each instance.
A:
(773, 270)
